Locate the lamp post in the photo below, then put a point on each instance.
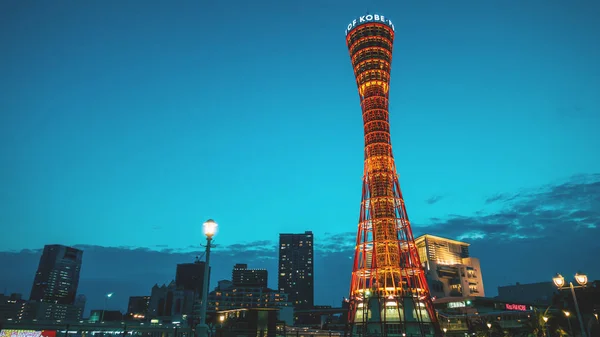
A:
(489, 325)
(545, 325)
(210, 229)
(445, 330)
(581, 278)
(568, 315)
(106, 297)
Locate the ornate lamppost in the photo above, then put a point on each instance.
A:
(210, 229)
(581, 278)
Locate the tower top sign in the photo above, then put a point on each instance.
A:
(369, 18)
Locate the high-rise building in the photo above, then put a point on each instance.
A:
(190, 276)
(57, 276)
(296, 268)
(244, 277)
(450, 271)
(388, 290)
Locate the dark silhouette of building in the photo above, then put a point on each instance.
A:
(105, 316)
(138, 307)
(536, 293)
(296, 276)
(242, 276)
(246, 322)
(190, 276)
(57, 277)
(171, 301)
(11, 306)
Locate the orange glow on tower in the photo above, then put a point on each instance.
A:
(389, 295)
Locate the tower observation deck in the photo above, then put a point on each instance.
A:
(389, 295)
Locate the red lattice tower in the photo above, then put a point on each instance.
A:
(389, 295)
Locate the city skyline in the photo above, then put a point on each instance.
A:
(164, 263)
(128, 126)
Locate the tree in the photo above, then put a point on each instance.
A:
(535, 326)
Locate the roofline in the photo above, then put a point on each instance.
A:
(426, 236)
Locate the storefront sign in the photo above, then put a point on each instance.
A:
(519, 307)
(460, 304)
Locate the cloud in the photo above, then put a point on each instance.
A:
(331, 243)
(536, 232)
(548, 212)
(434, 199)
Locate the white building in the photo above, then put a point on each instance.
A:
(449, 269)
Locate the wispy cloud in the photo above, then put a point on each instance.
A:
(549, 211)
(434, 199)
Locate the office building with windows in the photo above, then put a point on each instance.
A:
(296, 268)
(241, 276)
(57, 276)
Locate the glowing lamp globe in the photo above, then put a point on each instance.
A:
(545, 319)
(210, 228)
(581, 278)
(559, 281)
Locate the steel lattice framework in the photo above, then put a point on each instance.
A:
(389, 295)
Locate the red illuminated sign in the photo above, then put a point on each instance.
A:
(519, 307)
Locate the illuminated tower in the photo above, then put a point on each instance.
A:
(389, 295)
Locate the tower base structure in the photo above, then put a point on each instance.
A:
(392, 317)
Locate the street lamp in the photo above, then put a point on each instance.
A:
(568, 314)
(581, 278)
(545, 325)
(210, 229)
(106, 297)
(489, 325)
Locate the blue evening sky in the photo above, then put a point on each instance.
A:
(129, 123)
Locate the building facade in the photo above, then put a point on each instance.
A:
(470, 315)
(241, 276)
(138, 307)
(190, 276)
(538, 293)
(47, 311)
(296, 268)
(57, 276)
(449, 269)
(227, 297)
(12, 307)
(171, 302)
